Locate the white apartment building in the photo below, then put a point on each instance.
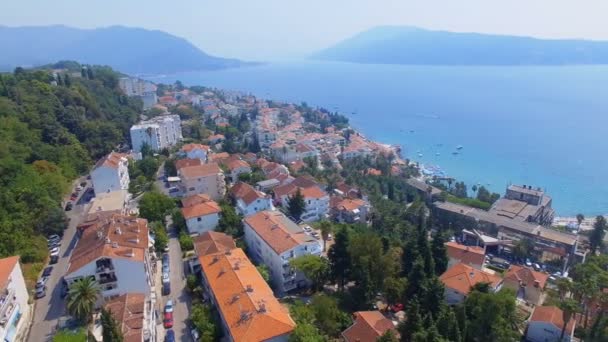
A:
(132, 86)
(201, 214)
(248, 200)
(274, 240)
(111, 173)
(202, 179)
(317, 200)
(113, 250)
(14, 308)
(158, 133)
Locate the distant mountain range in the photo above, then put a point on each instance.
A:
(411, 45)
(129, 50)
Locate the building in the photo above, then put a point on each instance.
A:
(132, 86)
(201, 214)
(213, 242)
(428, 192)
(158, 133)
(203, 179)
(113, 250)
(546, 324)
(247, 308)
(368, 327)
(346, 210)
(525, 204)
(180, 163)
(469, 255)
(14, 307)
(274, 240)
(195, 151)
(248, 200)
(115, 202)
(135, 315)
(236, 168)
(317, 200)
(528, 284)
(459, 279)
(111, 173)
(216, 138)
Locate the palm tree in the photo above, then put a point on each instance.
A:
(325, 227)
(82, 297)
(564, 285)
(569, 308)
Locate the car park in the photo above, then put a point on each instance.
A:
(168, 320)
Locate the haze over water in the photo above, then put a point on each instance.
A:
(540, 126)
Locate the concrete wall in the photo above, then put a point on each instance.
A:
(106, 178)
(255, 206)
(199, 225)
(16, 285)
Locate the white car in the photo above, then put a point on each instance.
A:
(165, 277)
(169, 306)
(53, 237)
(54, 251)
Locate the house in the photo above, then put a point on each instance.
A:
(14, 307)
(202, 179)
(167, 101)
(201, 213)
(213, 242)
(195, 151)
(305, 151)
(268, 184)
(317, 200)
(158, 133)
(246, 305)
(111, 173)
(221, 157)
(368, 327)
(248, 200)
(460, 278)
(346, 210)
(180, 163)
(469, 255)
(274, 240)
(528, 284)
(135, 315)
(237, 167)
(216, 139)
(546, 324)
(114, 251)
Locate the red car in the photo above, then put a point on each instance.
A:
(168, 320)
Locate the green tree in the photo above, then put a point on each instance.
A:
(178, 220)
(155, 206)
(597, 234)
(393, 289)
(325, 227)
(306, 332)
(203, 321)
(110, 328)
(523, 248)
(186, 242)
(328, 316)
(82, 296)
(388, 336)
(491, 316)
(296, 205)
(339, 257)
(264, 272)
(439, 252)
(569, 308)
(314, 267)
(230, 222)
(161, 239)
(580, 218)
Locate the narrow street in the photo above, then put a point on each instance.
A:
(50, 308)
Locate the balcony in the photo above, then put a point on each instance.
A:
(7, 305)
(104, 266)
(106, 278)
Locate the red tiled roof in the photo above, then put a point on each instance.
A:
(272, 227)
(112, 160)
(201, 209)
(368, 327)
(195, 199)
(200, 171)
(129, 311)
(526, 276)
(213, 242)
(180, 163)
(462, 277)
(246, 193)
(465, 254)
(551, 314)
(191, 147)
(7, 265)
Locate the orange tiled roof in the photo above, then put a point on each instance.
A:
(551, 314)
(465, 254)
(196, 171)
(128, 311)
(201, 209)
(219, 157)
(245, 300)
(279, 232)
(216, 137)
(246, 192)
(526, 276)
(236, 164)
(6, 268)
(180, 163)
(313, 192)
(112, 160)
(349, 204)
(368, 327)
(195, 199)
(130, 235)
(461, 278)
(191, 147)
(213, 242)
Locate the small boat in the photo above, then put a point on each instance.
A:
(437, 154)
(419, 154)
(455, 153)
(459, 147)
(411, 131)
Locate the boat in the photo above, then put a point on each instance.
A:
(437, 154)
(455, 153)
(419, 154)
(459, 147)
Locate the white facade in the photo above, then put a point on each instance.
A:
(14, 308)
(256, 206)
(159, 132)
(135, 87)
(111, 176)
(545, 332)
(316, 208)
(199, 225)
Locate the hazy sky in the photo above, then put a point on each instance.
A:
(268, 29)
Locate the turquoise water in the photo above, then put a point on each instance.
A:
(543, 126)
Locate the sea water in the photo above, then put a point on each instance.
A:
(540, 126)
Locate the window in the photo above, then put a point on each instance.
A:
(199, 219)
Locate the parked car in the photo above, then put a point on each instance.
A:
(169, 306)
(83, 184)
(168, 320)
(170, 336)
(53, 237)
(537, 267)
(193, 332)
(47, 271)
(54, 251)
(165, 258)
(69, 206)
(79, 188)
(41, 282)
(166, 278)
(528, 262)
(166, 290)
(165, 267)
(54, 259)
(40, 292)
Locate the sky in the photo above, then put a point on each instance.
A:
(282, 29)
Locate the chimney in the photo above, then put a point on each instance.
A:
(118, 231)
(262, 308)
(237, 266)
(249, 288)
(114, 244)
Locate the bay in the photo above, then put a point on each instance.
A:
(539, 126)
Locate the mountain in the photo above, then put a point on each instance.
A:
(410, 45)
(130, 50)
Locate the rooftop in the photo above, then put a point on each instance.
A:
(113, 159)
(192, 147)
(213, 242)
(180, 163)
(201, 209)
(529, 190)
(109, 201)
(551, 314)
(279, 232)
(462, 277)
(7, 265)
(526, 276)
(368, 327)
(466, 254)
(246, 193)
(205, 170)
(129, 311)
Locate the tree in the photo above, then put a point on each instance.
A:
(161, 239)
(597, 234)
(580, 218)
(564, 286)
(523, 248)
(110, 328)
(326, 228)
(203, 321)
(439, 252)
(296, 205)
(388, 336)
(314, 267)
(490, 316)
(306, 332)
(264, 272)
(339, 257)
(230, 222)
(82, 296)
(179, 221)
(185, 242)
(393, 289)
(569, 307)
(155, 206)
(329, 318)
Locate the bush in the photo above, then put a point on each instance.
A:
(471, 202)
(186, 242)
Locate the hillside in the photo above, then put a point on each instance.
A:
(129, 50)
(410, 45)
(49, 134)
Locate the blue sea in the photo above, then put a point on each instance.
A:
(540, 126)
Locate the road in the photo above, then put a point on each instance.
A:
(50, 308)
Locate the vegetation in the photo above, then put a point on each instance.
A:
(264, 272)
(230, 222)
(111, 328)
(155, 206)
(323, 314)
(161, 239)
(596, 239)
(64, 335)
(204, 322)
(186, 242)
(82, 296)
(314, 267)
(296, 205)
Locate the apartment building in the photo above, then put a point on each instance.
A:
(460, 278)
(14, 307)
(203, 179)
(195, 151)
(201, 213)
(111, 173)
(316, 199)
(159, 132)
(274, 240)
(248, 200)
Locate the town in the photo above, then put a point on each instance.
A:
(227, 217)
